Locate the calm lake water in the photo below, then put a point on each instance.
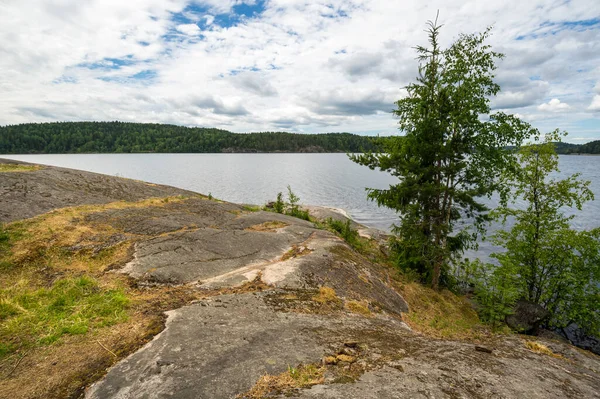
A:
(318, 179)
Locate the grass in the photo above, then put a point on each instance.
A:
(13, 167)
(541, 349)
(344, 230)
(71, 306)
(439, 314)
(63, 318)
(52, 280)
(360, 307)
(295, 252)
(268, 226)
(326, 295)
(251, 208)
(302, 376)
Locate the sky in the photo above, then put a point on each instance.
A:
(285, 65)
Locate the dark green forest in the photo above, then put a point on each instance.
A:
(122, 137)
(593, 147)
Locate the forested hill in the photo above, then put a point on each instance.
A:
(593, 147)
(122, 137)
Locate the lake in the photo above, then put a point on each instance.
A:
(318, 179)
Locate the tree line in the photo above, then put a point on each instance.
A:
(593, 147)
(123, 137)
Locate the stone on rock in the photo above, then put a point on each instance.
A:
(527, 317)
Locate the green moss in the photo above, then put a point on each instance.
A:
(71, 306)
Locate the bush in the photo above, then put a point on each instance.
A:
(292, 207)
(496, 292)
(345, 231)
(279, 205)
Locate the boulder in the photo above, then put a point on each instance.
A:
(527, 317)
(578, 337)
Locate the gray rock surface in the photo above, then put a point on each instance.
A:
(215, 348)
(219, 347)
(27, 194)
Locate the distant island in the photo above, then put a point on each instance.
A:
(593, 147)
(126, 137)
(123, 137)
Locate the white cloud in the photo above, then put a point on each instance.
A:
(305, 66)
(595, 105)
(554, 105)
(209, 19)
(189, 29)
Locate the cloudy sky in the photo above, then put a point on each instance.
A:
(253, 65)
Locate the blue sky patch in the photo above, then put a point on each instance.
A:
(109, 63)
(65, 79)
(552, 28)
(145, 76)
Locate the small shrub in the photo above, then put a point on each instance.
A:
(291, 208)
(300, 214)
(496, 293)
(279, 205)
(293, 201)
(345, 231)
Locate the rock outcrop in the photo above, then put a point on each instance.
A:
(320, 303)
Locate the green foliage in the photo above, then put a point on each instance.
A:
(293, 206)
(593, 147)
(496, 290)
(41, 317)
(345, 230)
(293, 200)
(279, 205)
(121, 137)
(4, 239)
(557, 266)
(449, 157)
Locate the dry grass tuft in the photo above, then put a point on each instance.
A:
(295, 377)
(15, 167)
(360, 307)
(295, 252)
(542, 349)
(268, 226)
(326, 295)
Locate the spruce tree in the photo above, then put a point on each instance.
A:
(450, 155)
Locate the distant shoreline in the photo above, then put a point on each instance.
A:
(584, 154)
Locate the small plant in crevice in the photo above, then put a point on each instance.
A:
(294, 206)
(291, 207)
(279, 205)
(344, 229)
